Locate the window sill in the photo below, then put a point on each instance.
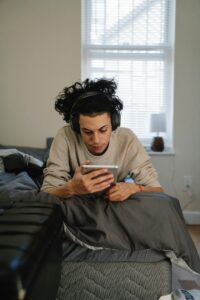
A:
(166, 152)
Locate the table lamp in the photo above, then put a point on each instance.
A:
(158, 124)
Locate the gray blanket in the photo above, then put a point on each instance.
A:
(146, 220)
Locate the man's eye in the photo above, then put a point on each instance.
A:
(103, 130)
(88, 132)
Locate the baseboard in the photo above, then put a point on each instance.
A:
(192, 217)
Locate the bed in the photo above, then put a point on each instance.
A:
(92, 253)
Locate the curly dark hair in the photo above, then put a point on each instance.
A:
(69, 98)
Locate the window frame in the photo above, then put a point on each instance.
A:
(166, 50)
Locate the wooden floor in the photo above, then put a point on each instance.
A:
(194, 231)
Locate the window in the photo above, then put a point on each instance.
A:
(132, 41)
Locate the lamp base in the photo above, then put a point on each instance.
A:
(157, 144)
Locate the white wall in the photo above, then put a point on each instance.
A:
(186, 108)
(40, 53)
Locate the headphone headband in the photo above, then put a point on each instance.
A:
(90, 94)
(87, 95)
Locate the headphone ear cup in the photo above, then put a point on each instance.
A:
(74, 122)
(115, 119)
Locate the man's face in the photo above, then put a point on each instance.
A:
(95, 132)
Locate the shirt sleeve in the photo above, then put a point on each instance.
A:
(145, 174)
(142, 169)
(57, 171)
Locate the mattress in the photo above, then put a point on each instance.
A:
(113, 274)
(114, 280)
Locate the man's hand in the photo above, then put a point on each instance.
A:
(94, 181)
(121, 191)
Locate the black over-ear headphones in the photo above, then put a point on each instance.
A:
(114, 113)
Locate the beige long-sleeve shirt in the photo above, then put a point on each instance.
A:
(68, 151)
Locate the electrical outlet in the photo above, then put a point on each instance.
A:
(187, 182)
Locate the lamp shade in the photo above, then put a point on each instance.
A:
(158, 122)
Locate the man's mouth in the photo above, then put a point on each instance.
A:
(98, 148)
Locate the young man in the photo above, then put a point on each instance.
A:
(93, 136)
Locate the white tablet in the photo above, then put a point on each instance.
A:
(111, 168)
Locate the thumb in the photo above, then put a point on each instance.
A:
(86, 162)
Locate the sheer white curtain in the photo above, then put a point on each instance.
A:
(132, 41)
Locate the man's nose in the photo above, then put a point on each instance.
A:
(96, 138)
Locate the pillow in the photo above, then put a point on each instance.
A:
(38, 153)
(14, 163)
(6, 178)
(33, 160)
(14, 184)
